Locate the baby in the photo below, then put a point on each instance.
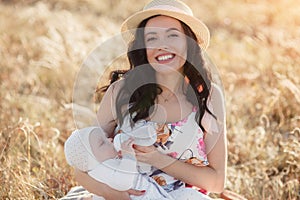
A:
(89, 150)
(144, 134)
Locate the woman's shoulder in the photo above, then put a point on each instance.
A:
(115, 87)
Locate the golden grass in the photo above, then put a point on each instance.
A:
(255, 45)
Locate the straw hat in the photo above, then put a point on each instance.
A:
(171, 8)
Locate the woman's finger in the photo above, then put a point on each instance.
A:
(143, 148)
(136, 192)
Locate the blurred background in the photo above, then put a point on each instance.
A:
(254, 44)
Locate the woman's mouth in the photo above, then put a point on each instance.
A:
(165, 57)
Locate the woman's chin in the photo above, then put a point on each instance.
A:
(165, 69)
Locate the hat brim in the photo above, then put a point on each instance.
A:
(198, 27)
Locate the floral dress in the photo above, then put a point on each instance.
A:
(183, 140)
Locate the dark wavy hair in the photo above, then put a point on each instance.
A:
(140, 89)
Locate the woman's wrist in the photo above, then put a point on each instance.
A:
(161, 160)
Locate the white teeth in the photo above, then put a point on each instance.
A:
(165, 57)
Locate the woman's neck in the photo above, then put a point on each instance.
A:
(170, 82)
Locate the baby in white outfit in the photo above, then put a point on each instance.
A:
(89, 150)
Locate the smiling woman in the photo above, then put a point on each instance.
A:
(188, 159)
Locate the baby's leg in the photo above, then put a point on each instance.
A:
(188, 194)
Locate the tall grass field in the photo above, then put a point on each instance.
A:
(255, 45)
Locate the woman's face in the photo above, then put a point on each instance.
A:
(166, 44)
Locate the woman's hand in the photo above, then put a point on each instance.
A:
(152, 156)
(114, 194)
(145, 154)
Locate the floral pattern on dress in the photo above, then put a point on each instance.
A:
(201, 148)
(163, 133)
(170, 139)
(179, 123)
(173, 154)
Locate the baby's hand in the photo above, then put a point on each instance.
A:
(127, 147)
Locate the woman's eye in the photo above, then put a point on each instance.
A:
(150, 39)
(173, 35)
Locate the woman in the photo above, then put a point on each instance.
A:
(169, 85)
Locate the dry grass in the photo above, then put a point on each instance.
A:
(255, 45)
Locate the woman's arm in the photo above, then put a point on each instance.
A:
(210, 178)
(106, 114)
(106, 119)
(102, 189)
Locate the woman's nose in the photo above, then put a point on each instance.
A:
(162, 44)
